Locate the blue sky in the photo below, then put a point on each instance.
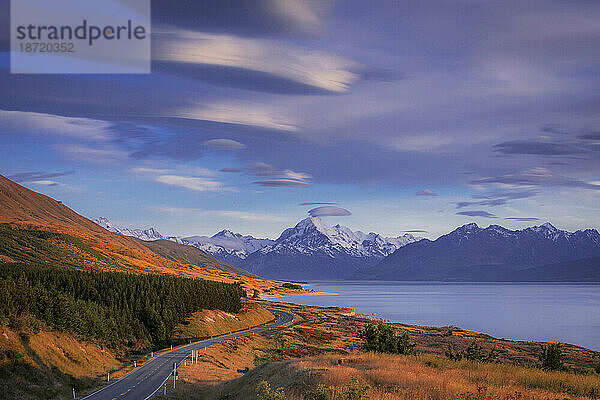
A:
(412, 115)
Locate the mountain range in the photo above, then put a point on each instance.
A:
(314, 250)
(310, 250)
(471, 253)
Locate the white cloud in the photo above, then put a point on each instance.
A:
(32, 123)
(305, 14)
(193, 183)
(92, 154)
(227, 214)
(225, 144)
(242, 114)
(311, 67)
(47, 183)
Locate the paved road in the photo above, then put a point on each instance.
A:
(148, 378)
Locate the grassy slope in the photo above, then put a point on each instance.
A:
(191, 255)
(402, 377)
(215, 322)
(31, 212)
(48, 364)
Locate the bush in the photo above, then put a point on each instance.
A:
(551, 357)
(382, 338)
(597, 369)
(264, 392)
(288, 285)
(354, 390)
(473, 353)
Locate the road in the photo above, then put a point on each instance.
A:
(148, 378)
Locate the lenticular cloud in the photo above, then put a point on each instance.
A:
(328, 211)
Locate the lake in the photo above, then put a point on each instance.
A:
(565, 312)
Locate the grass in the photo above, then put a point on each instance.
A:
(409, 377)
(213, 322)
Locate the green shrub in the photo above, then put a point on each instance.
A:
(288, 285)
(264, 392)
(597, 369)
(320, 392)
(354, 390)
(473, 353)
(551, 357)
(382, 338)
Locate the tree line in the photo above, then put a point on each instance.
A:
(113, 306)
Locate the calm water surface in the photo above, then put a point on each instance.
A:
(525, 311)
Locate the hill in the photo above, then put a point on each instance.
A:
(191, 255)
(37, 228)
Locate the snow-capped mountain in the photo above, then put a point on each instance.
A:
(315, 250)
(228, 246)
(142, 234)
(493, 253)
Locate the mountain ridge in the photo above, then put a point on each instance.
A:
(494, 249)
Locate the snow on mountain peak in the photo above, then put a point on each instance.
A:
(226, 233)
(313, 234)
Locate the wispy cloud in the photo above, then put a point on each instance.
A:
(227, 214)
(522, 219)
(249, 114)
(477, 213)
(32, 123)
(498, 198)
(36, 176)
(225, 144)
(193, 183)
(537, 177)
(47, 183)
(100, 155)
(316, 203)
(274, 177)
(426, 192)
(307, 66)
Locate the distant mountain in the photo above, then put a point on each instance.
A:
(142, 234)
(314, 250)
(226, 246)
(492, 253)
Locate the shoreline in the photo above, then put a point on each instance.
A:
(305, 293)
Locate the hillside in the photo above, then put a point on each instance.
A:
(191, 255)
(37, 228)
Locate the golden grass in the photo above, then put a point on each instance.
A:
(434, 378)
(215, 322)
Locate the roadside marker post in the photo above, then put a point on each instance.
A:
(73, 393)
(108, 377)
(134, 364)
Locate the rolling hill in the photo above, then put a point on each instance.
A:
(191, 255)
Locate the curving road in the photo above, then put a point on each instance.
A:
(148, 378)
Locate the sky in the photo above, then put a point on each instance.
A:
(400, 116)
